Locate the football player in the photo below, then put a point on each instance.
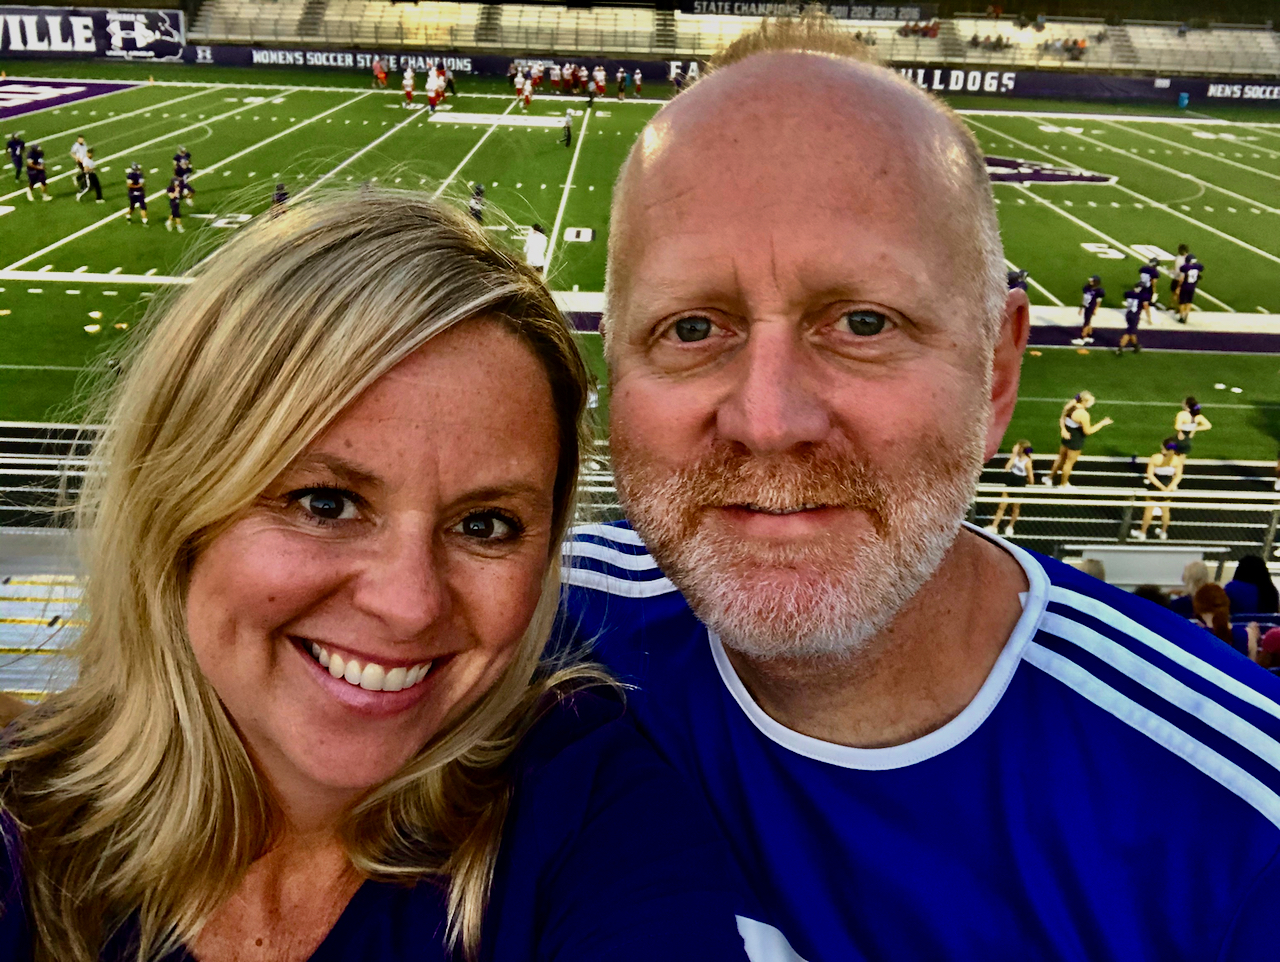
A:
(1134, 304)
(526, 92)
(1192, 269)
(621, 77)
(407, 85)
(1148, 275)
(554, 74)
(535, 248)
(279, 200)
(435, 91)
(1093, 295)
(535, 74)
(77, 157)
(1017, 280)
(184, 172)
(567, 137)
(136, 185)
(35, 174)
(174, 192)
(180, 156)
(379, 73)
(475, 206)
(1176, 274)
(16, 146)
(637, 78)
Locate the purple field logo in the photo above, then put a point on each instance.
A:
(1007, 170)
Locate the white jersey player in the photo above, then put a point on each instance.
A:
(535, 248)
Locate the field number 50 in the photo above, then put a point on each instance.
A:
(1105, 251)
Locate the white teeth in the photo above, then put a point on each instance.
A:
(371, 676)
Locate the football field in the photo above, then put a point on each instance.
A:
(1091, 192)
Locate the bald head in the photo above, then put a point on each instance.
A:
(784, 132)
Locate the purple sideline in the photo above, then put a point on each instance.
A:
(71, 92)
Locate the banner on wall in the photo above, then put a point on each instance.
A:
(53, 32)
(904, 13)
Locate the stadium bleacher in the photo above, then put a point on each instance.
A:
(527, 28)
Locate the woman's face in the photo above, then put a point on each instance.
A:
(404, 550)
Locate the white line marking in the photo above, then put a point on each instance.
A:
(79, 278)
(564, 197)
(207, 170)
(471, 153)
(1128, 118)
(359, 153)
(1194, 150)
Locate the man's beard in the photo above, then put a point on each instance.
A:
(830, 594)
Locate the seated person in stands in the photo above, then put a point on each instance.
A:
(1195, 575)
(1153, 593)
(1251, 589)
(975, 41)
(313, 718)
(1213, 610)
(1264, 648)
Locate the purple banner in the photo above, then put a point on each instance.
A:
(18, 97)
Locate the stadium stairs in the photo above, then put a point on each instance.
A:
(1122, 45)
(949, 38)
(309, 23)
(664, 31)
(489, 27)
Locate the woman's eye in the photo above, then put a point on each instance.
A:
(693, 329)
(326, 504)
(487, 527)
(864, 323)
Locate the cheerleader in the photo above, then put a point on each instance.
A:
(1186, 423)
(1164, 472)
(1018, 474)
(1074, 426)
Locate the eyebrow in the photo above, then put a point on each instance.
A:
(515, 489)
(348, 472)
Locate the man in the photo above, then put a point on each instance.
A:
(1092, 300)
(567, 137)
(1133, 306)
(554, 73)
(1148, 276)
(622, 82)
(183, 171)
(475, 206)
(135, 183)
(535, 248)
(379, 74)
(280, 200)
(36, 176)
(1188, 278)
(526, 93)
(16, 146)
(406, 84)
(435, 91)
(920, 741)
(1175, 274)
(77, 157)
(174, 193)
(638, 79)
(1017, 280)
(91, 182)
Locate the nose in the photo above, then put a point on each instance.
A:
(403, 583)
(775, 403)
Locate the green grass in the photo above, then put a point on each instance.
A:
(1175, 185)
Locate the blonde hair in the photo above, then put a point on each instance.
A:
(136, 801)
(1083, 399)
(816, 32)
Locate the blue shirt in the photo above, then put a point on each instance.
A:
(1112, 792)
(1092, 298)
(606, 855)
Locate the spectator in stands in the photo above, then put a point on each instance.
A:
(1251, 588)
(975, 41)
(1182, 30)
(1213, 610)
(1153, 593)
(1094, 568)
(1264, 648)
(1195, 575)
(288, 471)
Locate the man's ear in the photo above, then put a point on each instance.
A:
(1006, 366)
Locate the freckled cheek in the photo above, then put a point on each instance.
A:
(660, 416)
(499, 605)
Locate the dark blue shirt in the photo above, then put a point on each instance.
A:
(606, 856)
(1132, 304)
(1147, 276)
(136, 181)
(1092, 298)
(15, 146)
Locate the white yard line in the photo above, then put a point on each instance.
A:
(284, 92)
(1127, 118)
(206, 170)
(359, 153)
(1034, 283)
(1193, 150)
(108, 120)
(1133, 193)
(568, 185)
(471, 153)
(83, 277)
(1108, 238)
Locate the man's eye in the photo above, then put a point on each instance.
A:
(865, 323)
(487, 526)
(693, 328)
(328, 504)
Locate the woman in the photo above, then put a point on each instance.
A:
(1073, 426)
(1164, 473)
(1018, 474)
(1213, 610)
(1195, 575)
(1251, 588)
(310, 720)
(1186, 423)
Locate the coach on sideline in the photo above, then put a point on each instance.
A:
(922, 742)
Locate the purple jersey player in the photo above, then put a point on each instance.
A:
(1136, 299)
(136, 185)
(1148, 274)
(1017, 280)
(36, 178)
(1093, 294)
(1191, 271)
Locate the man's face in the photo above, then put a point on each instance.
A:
(800, 389)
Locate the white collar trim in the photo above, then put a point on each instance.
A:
(934, 743)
